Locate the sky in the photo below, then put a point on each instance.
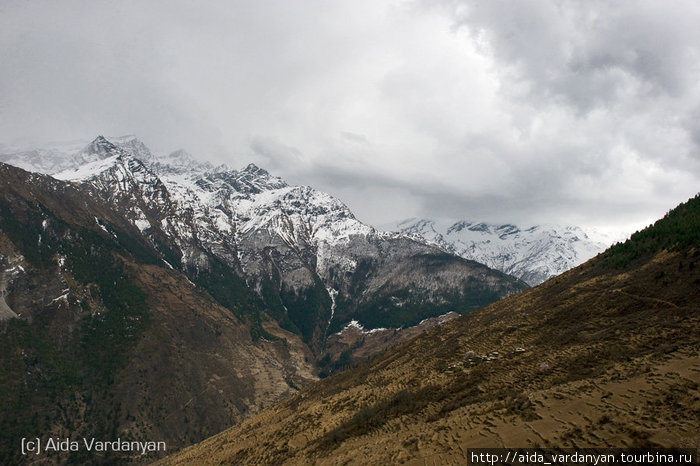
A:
(568, 112)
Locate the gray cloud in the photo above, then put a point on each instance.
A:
(556, 111)
(588, 52)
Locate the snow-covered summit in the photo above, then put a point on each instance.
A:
(239, 183)
(134, 146)
(98, 156)
(199, 203)
(533, 254)
(48, 159)
(99, 148)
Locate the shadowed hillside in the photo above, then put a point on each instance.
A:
(607, 354)
(100, 339)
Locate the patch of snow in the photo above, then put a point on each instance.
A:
(142, 224)
(64, 296)
(88, 170)
(441, 319)
(374, 330)
(332, 293)
(355, 324)
(359, 327)
(102, 226)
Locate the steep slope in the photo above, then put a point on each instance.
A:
(532, 254)
(604, 355)
(101, 339)
(297, 246)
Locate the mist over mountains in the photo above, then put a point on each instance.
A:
(378, 232)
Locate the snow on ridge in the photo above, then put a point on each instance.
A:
(63, 297)
(245, 201)
(226, 210)
(87, 170)
(353, 324)
(442, 318)
(51, 158)
(533, 254)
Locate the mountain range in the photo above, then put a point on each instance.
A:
(533, 254)
(154, 296)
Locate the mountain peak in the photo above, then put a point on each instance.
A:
(100, 146)
(180, 162)
(181, 154)
(254, 169)
(99, 149)
(103, 154)
(134, 146)
(259, 178)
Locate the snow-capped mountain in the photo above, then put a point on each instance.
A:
(312, 263)
(533, 254)
(144, 280)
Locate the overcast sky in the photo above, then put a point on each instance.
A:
(575, 112)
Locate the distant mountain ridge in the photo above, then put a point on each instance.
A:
(533, 254)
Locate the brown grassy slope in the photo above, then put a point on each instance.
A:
(611, 358)
(197, 367)
(110, 342)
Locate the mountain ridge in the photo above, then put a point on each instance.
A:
(533, 254)
(103, 333)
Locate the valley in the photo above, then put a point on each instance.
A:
(154, 296)
(162, 297)
(606, 355)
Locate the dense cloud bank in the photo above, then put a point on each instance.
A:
(569, 112)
